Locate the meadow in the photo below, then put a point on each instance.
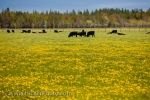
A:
(54, 67)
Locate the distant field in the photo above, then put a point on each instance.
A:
(54, 67)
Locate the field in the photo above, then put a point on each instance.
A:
(54, 67)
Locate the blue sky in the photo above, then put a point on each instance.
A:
(63, 5)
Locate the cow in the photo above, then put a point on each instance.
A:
(28, 31)
(8, 31)
(92, 33)
(56, 31)
(23, 31)
(121, 34)
(13, 31)
(33, 32)
(113, 31)
(83, 33)
(43, 31)
(74, 33)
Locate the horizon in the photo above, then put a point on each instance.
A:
(67, 5)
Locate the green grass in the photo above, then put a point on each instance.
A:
(102, 68)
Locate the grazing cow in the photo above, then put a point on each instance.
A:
(121, 34)
(83, 33)
(33, 32)
(113, 31)
(13, 31)
(43, 31)
(56, 31)
(23, 31)
(74, 33)
(92, 33)
(28, 31)
(8, 31)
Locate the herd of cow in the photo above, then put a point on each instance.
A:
(26, 31)
(83, 33)
(71, 34)
(29, 31)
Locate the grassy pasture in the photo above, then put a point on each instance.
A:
(107, 67)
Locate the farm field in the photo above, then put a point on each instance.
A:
(54, 67)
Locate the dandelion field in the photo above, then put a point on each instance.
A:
(107, 67)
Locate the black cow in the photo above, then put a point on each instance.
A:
(74, 33)
(92, 33)
(26, 31)
(83, 33)
(56, 31)
(33, 32)
(23, 31)
(13, 31)
(121, 34)
(113, 31)
(8, 31)
(43, 31)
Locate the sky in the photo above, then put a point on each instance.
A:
(69, 5)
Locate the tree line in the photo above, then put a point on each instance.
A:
(106, 17)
